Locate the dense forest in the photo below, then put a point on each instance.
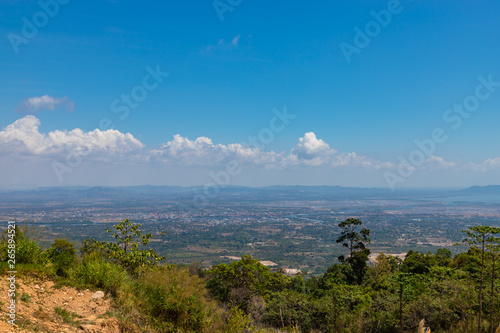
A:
(449, 293)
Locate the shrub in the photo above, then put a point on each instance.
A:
(62, 255)
(94, 271)
(175, 301)
(27, 250)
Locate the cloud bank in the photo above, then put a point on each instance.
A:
(24, 138)
(22, 141)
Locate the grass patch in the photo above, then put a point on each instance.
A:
(67, 317)
(25, 297)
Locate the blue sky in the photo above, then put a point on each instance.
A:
(225, 78)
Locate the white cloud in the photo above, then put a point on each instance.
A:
(439, 163)
(203, 151)
(235, 40)
(487, 165)
(24, 137)
(436, 162)
(45, 102)
(223, 46)
(311, 150)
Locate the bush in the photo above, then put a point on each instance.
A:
(175, 301)
(27, 250)
(94, 271)
(62, 255)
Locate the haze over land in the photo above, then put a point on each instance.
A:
(292, 226)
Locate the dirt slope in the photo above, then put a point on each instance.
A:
(43, 308)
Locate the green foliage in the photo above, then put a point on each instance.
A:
(237, 321)
(126, 251)
(391, 295)
(25, 297)
(289, 308)
(62, 254)
(176, 301)
(27, 251)
(356, 243)
(482, 238)
(379, 275)
(234, 284)
(349, 236)
(336, 274)
(98, 273)
(341, 306)
(67, 317)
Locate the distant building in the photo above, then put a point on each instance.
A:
(268, 263)
(263, 262)
(291, 271)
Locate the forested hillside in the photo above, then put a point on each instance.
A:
(147, 294)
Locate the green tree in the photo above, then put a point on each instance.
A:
(129, 236)
(27, 249)
(236, 283)
(126, 250)
(493, 247)
(349, 236)
(356, 243)
(62, 254)
(480, 237)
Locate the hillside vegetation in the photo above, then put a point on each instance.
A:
(56, 288)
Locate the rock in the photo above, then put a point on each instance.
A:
(37, 286)
(98, 295)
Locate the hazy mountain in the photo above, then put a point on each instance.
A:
(482, 190)
(278, 192)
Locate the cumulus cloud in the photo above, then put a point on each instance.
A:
(24, 137)
(203, 151)
(311, 151)
(45, 102)
(22, 145)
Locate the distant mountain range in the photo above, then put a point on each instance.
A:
(278, 192)
(482, 190)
